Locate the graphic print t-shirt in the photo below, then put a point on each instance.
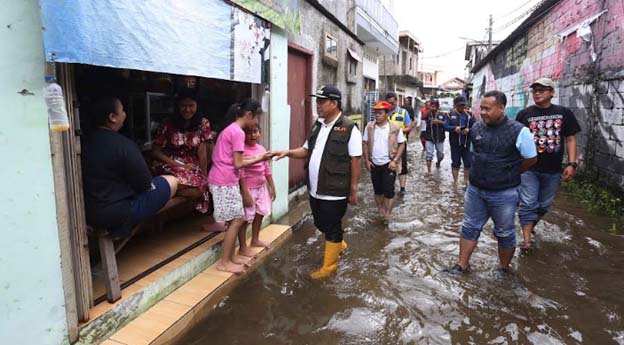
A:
(549, 127)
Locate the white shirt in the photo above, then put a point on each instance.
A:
(381, 149)
(355, 150)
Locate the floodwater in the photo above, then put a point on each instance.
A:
(390, 289)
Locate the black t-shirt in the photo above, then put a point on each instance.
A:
(113, 171)
(549, 127)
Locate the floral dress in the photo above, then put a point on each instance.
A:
(183, 147)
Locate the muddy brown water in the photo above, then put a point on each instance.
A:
(390, 289)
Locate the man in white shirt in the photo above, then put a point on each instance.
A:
(384, 143)
(333, 171)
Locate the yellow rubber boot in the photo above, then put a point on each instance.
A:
(343, 246)
(330, 261)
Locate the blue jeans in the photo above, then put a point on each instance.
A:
(500, 205)
(459, 154)
(430, 147)
(537, 193)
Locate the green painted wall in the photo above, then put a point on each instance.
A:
(280, 117)
(32, 307)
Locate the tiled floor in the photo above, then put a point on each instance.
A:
(180, 305)
(148, 249)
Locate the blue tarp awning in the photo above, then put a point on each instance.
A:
(190, 37)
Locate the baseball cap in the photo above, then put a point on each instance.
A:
(328, 92)
(434, 100)
(546, 82)
(460, 100)
(382, 105)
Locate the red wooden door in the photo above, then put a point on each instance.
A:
(300, 111)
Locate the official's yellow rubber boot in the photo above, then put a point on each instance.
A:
(330, 261)
(343, 246)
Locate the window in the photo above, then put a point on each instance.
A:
(330, 50)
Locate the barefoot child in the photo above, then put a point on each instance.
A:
(223, 181)
(256, 196)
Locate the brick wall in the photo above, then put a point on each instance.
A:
(594, 90)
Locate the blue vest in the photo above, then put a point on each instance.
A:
(496, 160)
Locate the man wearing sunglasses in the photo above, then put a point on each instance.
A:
(553, 127)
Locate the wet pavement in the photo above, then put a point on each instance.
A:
(390, 289)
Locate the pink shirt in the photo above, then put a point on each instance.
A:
(255, 175)
(223, 172)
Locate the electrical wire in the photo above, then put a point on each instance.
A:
(518, 18)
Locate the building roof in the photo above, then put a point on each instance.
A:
(406, 33)
(521, 30)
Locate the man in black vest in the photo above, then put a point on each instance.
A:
(502, 150)
(434, 134)
(333, 151)
(458, 124)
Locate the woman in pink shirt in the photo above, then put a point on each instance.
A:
(257, 197)
(223, 180)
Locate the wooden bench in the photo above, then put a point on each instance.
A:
(108, 248)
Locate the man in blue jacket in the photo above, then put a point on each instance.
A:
(458, 124)
(502, 150)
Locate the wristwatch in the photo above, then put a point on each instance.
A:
(573, 164)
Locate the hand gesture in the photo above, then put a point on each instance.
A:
(369, 165)
(280, 154)
(465, 131)
(458, 130)
(266, 156)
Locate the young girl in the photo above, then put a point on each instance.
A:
(223, 181)
(257, 197)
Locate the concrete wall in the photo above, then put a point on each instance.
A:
(370, 65)
(313, 27)
(594, 90)
(280, 117)
(32, 305)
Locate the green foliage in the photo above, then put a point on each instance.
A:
(597, 198)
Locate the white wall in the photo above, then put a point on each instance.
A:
(371, 66)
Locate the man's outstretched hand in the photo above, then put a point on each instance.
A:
(280, 154)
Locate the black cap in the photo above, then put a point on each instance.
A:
(460, 100)
(434, 100)
(328, 92)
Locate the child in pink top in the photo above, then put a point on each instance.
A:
(227, 159)
(257, 197)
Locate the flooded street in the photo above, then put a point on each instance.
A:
(390, 289)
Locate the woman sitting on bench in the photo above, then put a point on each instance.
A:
(182, 147)
(119, 189)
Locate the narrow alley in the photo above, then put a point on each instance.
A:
(390, 288)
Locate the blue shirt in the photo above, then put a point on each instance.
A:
(525, 144)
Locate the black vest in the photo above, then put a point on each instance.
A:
(334, 178)
(496, 160)
(435, 133)
(455, 120)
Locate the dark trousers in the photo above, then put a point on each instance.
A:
(404, 160)
(328, 217)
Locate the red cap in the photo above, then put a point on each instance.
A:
(382, 105)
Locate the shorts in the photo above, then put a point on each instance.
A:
(459, 154)
(148, 203)
(383, 180)
(228, 202)
(261, 203)
(327, 216)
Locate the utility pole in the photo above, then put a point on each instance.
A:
(490, 34)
